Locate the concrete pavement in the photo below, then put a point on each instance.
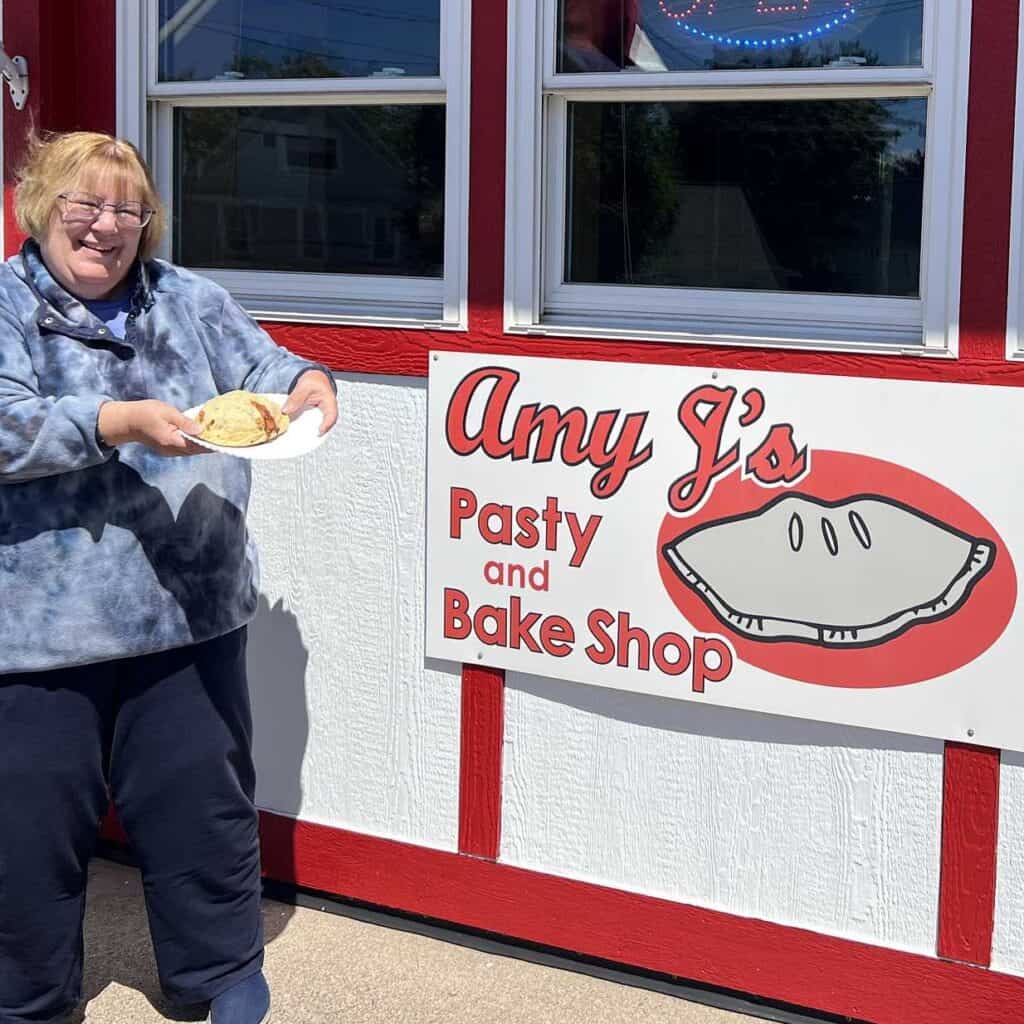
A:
(328, 969)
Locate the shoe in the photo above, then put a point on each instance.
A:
(248, 1002)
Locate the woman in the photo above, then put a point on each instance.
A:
(127, 579)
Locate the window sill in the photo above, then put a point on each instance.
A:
(756, 336)
(399, 303)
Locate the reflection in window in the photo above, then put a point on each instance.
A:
(204, 40)
(698, 35)
(356, 190)
(798, 196)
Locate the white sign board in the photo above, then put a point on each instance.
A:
(823, 547)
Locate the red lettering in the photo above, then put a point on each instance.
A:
(493, 636)
(456, 621)
(489, 436)
(674, 666)
(633, 634)
(526, 520)
(548, 423)
(702, 671)
(557, 636)
(552, 516)
(462, 505)
(603, 651)
(617, 459)
(687, 493)
(503, 533)
(569, 436)
(519, 634)
(777, 460)
(540, 576)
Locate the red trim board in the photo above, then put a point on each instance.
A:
(483, 728)
(970, 837)
(776, 962)
(401, 353)
(989, 178)
(488, 91)
(70, 46)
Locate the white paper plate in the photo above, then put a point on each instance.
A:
(302, 436)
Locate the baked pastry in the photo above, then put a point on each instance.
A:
(850, 573)
(239, 419)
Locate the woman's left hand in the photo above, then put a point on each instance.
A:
(313, 391)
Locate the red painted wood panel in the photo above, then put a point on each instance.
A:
(70, 47)
(970, 816)
(487, 165)
(986, 245)
(482, 738)
(406, 353)
(96, 80)
(780, 963)
(970, 836)
(23, 37)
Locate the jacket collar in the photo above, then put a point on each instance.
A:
(59, 310)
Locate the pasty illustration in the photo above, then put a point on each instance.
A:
(238, 419)
(851, 573)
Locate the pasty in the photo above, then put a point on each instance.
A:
(849, 573)
(239, 419)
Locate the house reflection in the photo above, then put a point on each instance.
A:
(355, 190)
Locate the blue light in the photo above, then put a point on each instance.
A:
(832, 21)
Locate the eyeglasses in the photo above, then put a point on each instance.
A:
(84, 208)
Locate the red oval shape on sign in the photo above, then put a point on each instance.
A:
(926, 650)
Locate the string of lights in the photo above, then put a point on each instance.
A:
(812, 27)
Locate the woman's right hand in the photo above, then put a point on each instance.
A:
(155, 424)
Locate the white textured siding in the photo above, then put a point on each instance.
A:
(352, 729)
(1008, 940)
(825, 827)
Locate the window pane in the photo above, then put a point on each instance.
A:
(201, 40)
(797, 196)
(353, 190)
(701, 35)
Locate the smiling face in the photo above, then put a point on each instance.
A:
(92, 261)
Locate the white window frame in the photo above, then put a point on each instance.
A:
(538, 301)
(1015, 295)
(145, 115)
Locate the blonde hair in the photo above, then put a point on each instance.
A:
(66, 161)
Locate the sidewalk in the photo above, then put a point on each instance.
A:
(327, 969)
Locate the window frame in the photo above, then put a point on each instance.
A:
(1015, 283)
(538, 301)
(145, 114)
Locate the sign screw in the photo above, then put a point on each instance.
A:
(479, 655)
(970, 732)
(714, 375)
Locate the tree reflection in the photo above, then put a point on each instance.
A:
(811, 195)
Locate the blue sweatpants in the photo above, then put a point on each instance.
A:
(168, 736)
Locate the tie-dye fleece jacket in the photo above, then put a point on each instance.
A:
(107, 553)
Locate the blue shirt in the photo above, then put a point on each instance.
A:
(112, 552)
(113, 312)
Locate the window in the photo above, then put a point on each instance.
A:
(313, 153)
(1015, 303)
(739, 171)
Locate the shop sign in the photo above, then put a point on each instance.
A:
(822, 547)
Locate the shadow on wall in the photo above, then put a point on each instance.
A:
(277, 663)
(725, 723)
